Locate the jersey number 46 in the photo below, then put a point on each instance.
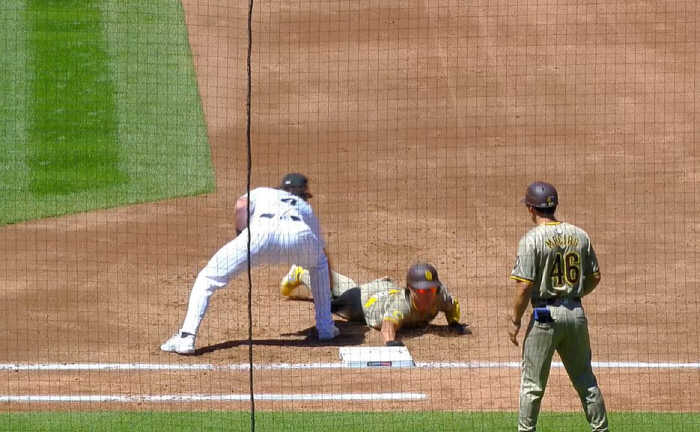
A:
(566, 269)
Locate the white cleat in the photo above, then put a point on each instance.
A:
(179, 344)
(330, 335)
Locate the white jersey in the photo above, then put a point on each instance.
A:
(283, 230)
(265, 200)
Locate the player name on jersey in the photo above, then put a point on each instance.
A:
(562, 241)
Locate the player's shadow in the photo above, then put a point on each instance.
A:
(438, 330)
(350, 334)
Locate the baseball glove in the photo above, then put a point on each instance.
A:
(395, 343)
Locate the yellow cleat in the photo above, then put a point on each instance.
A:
(292, 281)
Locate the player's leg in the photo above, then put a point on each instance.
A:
(538, 349)
(298, 244)
(299, 276)
(341, 284)
(345, 295)
(212, 277)
(349, 305)
(575, 353)
(226, 263)
(321, 292)
(292, 284)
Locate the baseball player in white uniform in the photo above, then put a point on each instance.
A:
(283, 230)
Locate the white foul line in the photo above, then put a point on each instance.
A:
(597, 365)
(16, 367)
(218, 398)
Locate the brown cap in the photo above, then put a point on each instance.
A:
(422, 276)
(295, 180)
(541, 195)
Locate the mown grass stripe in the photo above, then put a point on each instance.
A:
(160, 116)
(72, 133)
(129, 130)
(13, 101)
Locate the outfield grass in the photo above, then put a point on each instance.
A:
(100, 107)
(335, 422)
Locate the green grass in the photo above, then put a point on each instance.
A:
(13, 103)
(336, 422)
(73, 143)
(100, 107)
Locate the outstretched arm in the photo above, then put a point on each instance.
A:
(453, 317)
(452, 312)
(389, 332)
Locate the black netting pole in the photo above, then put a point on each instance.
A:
(249, 173)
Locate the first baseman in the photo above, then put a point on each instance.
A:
(384, 305)
(555, 267)
(283, 229)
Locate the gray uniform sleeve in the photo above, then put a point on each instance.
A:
(396, 311)
(525, 268)
(449, 306)
(445, 300)
(591, 265)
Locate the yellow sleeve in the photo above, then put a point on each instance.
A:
(453, 315)
(395, 317)
(519, 279)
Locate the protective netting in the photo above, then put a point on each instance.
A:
(130, 129)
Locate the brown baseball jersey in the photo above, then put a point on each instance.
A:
(383, 300)
(555, 257)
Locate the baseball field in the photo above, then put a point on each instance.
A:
(123, 129)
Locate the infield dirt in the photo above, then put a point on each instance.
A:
(419, 125)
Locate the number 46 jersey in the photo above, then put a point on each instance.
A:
(555, 257)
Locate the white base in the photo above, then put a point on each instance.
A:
(362, 357)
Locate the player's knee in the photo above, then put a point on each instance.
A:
(322, 261)
(207, 283)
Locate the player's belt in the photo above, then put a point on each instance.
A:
(270, 216)
(556, 301)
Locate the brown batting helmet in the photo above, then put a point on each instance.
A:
(423, 276)
(541, 195)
